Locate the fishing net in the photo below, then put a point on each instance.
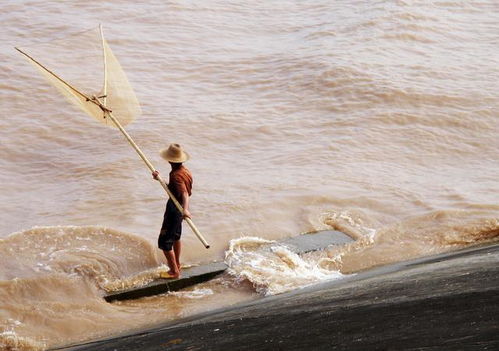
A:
(83, 67)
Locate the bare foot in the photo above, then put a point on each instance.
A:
(174, 275)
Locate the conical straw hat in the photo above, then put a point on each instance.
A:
(174, 154)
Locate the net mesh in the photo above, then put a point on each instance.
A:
(82, 66)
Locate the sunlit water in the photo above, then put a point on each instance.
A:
(378, 119)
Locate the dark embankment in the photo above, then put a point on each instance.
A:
(443, 302)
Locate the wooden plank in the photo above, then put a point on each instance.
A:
(316, 241)
(195, 275)
(190, 276)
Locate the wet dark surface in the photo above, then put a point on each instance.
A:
(444, 302)
(190, 277)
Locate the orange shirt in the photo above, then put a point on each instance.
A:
(180, 182)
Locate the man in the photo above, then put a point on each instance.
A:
(180, 185)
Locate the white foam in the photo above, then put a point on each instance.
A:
(9, 340)
(273, 268)
(193, 294)
(354, 222)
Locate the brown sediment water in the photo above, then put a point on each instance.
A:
(376, 119)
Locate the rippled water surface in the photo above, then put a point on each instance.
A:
(375, 118)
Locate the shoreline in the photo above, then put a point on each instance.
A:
(441, 301)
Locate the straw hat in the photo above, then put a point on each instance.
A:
(174, 154)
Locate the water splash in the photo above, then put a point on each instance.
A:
(193, 294)
(273, 268)
(10, 341)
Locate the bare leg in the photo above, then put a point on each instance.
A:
(172, 263)
(177, 247)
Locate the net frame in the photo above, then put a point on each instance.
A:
(114, 92)
(97, 106)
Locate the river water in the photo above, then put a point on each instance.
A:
(376, 118)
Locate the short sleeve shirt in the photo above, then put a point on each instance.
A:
(180, 182)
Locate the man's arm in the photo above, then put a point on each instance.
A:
(185, 204)
(184, 197)
(155, 175)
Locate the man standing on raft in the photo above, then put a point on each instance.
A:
(180, 185)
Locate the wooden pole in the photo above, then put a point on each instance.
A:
(161, 181)
(108, 112)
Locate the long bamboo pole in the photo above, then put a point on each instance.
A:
(161, 181)
(104, 56)
(108, 112)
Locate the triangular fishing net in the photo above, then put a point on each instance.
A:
(82, 66)
(84, 69)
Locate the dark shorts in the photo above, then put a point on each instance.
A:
(171, 230)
